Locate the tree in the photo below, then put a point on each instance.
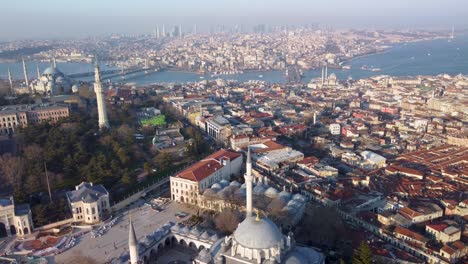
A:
(320, 226)
(147, 167)
(227, 221)
(164, 161)
(362, 255)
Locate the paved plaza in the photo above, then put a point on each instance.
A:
(115, 241)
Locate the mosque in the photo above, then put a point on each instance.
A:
(53, 82)
(256, 240)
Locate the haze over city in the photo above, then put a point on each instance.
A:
(72, 19)
(234, 132)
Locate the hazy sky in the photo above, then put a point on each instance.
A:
(78, 18)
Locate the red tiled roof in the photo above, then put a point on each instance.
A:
(204, 168)
(438, 227)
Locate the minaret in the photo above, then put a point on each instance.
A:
(315, 117)
(25, 71)
(248, 184)
(323, 75)
(326, 71)
(164, 31)
(101, 104)
(132, 243)
(38, 72)
(11, 82)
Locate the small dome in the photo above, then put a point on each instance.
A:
(205, 236)
(235, 184)
(224, 183)
(299, 197)
(210, 192)
(295, 257)
(271, 192)
(259, 189)
(241, 192)
(214, 238)
(52, 71)
(243, 186)
(195, 232)
(176, 228)
(216, 186)
(124, 258)
(258, 234)
(285, 195)
(184, 230)
(294, 203)
(146, 241)
(75, 88)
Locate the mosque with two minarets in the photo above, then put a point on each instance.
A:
(256, 240)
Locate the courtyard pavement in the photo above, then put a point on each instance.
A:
(115, 241)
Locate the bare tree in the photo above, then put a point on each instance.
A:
(11, 170)
(227, 221)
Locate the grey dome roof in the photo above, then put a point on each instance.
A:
(295, 257)
(205, 235)
(258, 234)
(52, 71)
(214, 237)
(216, 186)
(243, 186)
(75, 88)
(299, 197)
(176, 228)
(271, 192)
(285, 195)
(224, 183)
(184, 230)
(195, 231)
(210, 192)
(235, 184)
(259, 189)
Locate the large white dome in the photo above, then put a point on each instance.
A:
(258, 234)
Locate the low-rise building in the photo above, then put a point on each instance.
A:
(89, 203)
(189, 183)
(14, 116)
(443, 232)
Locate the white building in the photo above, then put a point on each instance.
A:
(89, 203)
(14, 219)
(218, 128)
(189, 183)
(335, 129)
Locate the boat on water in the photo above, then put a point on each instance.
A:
(201, 77)
(260, 76)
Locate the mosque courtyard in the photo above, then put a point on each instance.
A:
(114, 241)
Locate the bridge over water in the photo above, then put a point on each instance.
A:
(108, 74)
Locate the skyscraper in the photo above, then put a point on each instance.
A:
(101, 104)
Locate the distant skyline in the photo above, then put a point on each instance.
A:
(32, 19)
